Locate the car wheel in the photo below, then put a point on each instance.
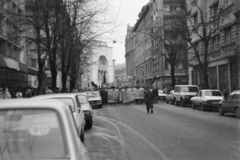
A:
(202, 107)
(172, 101)
(175, 102)
(182, 103)
(220, 111)
(238, 112)
(82, 136)
(89, 124)
(193, 106)
(100, 106)
(166, 101)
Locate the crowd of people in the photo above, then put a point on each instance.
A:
(150, 94)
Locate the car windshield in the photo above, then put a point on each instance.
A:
(82, 99)
(213, 93)
(189, 89)
(68, 101)
(31, 134)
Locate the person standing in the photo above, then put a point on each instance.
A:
(155, 94)
(4, 94)
(149, 100)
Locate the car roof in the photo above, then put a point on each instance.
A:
(32, 103)
(70, 95)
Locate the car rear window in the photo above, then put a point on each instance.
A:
(82, 99)
(189, 89)
(68, 101)
(31, 134)
(213, 93)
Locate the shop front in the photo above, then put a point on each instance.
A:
(12, 73)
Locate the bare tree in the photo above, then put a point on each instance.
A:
(198, 31)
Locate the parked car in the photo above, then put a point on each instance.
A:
(184, 93)
(87, 109)
(170, 97)
(161, 95)
(94, 98)
(36, 129)
(231, 104)
(207, 99)
(72, 100)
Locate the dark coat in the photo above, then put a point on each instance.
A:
(149, 99)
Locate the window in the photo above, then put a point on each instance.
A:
(228, 36)
(28, 129)
(34, 63)
(195, 20)
(215, 43)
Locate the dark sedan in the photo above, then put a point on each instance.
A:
(231, 104)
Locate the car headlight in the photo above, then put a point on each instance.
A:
(87, 113)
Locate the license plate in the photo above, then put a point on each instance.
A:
(214, 102)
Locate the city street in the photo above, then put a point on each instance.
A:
(170, 133)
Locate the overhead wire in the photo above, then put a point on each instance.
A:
(119, 8)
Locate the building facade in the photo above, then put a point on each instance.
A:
(14, 70)
(223, 50)
(102, 63)
(148, 51)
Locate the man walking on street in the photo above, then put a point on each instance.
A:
(149, 100)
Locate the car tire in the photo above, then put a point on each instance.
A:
(89, 124)
(202, 107)
(193, 106)
(166, 101)
(175, 102)
(182, 103)
(82, 136)
(172, 101)
(220, 111)
(238, 112)
(100, 106)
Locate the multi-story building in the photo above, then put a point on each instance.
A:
(223, 50)
(164, 16)
(129, 49)
(141, 47)
(13, 68)
(148, 51)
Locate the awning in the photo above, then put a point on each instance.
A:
(23, 67)
(32, 71)
(12, 64)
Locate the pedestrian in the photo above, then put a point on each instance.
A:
(120, 95)
(155, 94)
(19, 94)
(48, 91)
(149, 100)
(4, 94)
(225, 92)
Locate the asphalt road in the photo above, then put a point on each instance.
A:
(170, 133)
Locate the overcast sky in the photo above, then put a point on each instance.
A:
(128, 14)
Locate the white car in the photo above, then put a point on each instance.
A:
(72, 100)
(170, 97)
(94, 98)
(207, 99)
(37, 129)
(161, 95)
(87, 109)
